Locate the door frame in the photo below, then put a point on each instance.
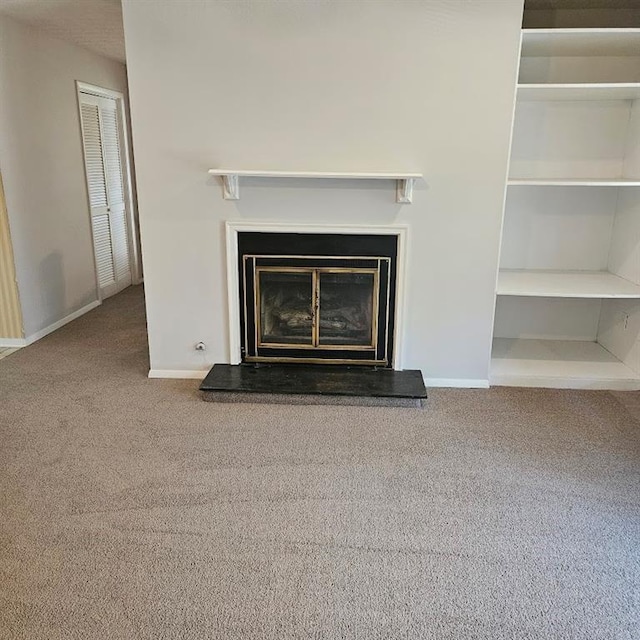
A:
(133, 235)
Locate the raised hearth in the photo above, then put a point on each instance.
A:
(308, 384)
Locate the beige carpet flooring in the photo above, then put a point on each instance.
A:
(132, 509)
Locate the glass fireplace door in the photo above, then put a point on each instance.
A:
(311, 309)
(346, 311)
(286, 307)
(328, 308)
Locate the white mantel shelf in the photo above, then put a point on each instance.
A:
(231, 187)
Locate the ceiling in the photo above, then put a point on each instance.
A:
(93, 24)
(97, 24)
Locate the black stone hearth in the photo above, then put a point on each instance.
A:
(309, 384)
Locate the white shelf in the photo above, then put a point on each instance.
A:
(573, 182)
(404, 187)
(316, 174)
(579, 91)
(580, 42)
(565, 284)
(558, 364)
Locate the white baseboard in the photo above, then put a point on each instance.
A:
(25, 342)
(12, 343)
(457, 383)
(180, 374)
(60, 323)
(551, 382)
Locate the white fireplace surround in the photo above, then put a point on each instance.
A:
(233, 283)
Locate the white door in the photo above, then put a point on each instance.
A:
(103, 163)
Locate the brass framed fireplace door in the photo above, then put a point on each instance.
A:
(316, 309)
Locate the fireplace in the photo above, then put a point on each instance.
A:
(322, 298)
(330, 297)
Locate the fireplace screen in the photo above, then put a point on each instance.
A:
(316, 309)
(347, 302)
(286, 308)
(329, 307)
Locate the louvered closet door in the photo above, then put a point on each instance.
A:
(101, 139)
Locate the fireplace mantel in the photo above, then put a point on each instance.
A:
(231, 186)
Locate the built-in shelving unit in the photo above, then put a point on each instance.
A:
(568, 290)
(231, 185)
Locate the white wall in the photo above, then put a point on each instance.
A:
(43, 171)
(336, 86)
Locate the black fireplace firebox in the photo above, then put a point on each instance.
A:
(317, 298)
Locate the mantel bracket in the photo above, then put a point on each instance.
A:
(404, 191)
(231, 186)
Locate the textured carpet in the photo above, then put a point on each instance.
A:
(132, 509)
